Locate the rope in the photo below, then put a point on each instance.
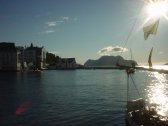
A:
(127, 87)
(130, 33)
(135, 85)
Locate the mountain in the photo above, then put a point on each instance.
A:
(109, 61)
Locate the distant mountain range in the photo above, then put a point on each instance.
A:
(109, 61)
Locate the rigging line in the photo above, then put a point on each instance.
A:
(135, 85)
(129, 34)
(127, 87)
(132, 57)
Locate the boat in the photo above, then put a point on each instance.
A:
(128, 68)
(131, 70)
(138, 112)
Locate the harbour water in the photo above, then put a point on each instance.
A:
(77, 97)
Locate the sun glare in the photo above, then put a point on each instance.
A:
(158, 9)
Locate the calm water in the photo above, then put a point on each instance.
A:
(72, 98)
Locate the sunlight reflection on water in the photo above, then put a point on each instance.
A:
(159, 67)
(157, 93)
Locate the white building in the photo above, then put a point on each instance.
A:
(35, 57)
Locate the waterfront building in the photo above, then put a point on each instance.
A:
(21, 50)
(67, 63)
(9, 57)
(35, 57)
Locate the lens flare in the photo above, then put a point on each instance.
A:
(22, 108)
(157, 9)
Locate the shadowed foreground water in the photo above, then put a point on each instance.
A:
(71, 98)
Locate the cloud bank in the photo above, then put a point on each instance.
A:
(109, 50)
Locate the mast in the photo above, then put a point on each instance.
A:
(149, 59)
(127, 88)
(131, 54)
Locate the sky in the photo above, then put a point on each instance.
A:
(83, 29)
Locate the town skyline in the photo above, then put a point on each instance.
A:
(82, 29)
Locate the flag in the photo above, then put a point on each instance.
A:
(151, 29)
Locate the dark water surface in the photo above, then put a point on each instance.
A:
(68, 98)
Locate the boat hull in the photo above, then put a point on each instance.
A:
(129, 120)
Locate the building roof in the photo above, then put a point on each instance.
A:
(7, 47)
(34, 48)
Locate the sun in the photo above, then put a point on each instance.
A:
(158, 9)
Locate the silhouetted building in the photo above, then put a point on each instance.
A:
(9, 57)
(67, 63)
(35, 57)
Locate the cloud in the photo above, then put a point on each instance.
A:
(109, 50)
(75, 19)
(49, 27)
(51, 24)
(59, 22)
(65, 18)
(48, 31)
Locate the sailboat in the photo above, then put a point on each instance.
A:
(138, 113)
(132, 68)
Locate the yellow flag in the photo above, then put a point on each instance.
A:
(151, 29)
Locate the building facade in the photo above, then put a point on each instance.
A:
(9, 57)
(67, 63)
(21, 49)
(35, 57)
